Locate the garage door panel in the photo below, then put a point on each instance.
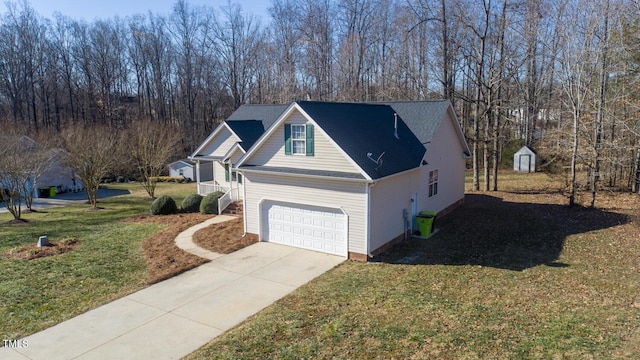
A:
(316, 228)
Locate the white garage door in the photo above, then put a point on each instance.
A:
(309, 227)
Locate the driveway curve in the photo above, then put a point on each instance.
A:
(173, 318)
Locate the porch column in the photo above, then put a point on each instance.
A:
(198, 175)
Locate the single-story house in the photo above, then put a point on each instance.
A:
(45, 174)
(342, 178)
(182, 168)
(58, 175)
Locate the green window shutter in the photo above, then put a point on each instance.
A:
(309, 129)
(287, 139)
(226, 172)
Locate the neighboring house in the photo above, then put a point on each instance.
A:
(526, 124)
(348, 178)
(524, 160)
(52, 173)
(182, 168)
(57, 175)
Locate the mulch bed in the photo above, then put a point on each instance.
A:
(164, 258)
(225, 237)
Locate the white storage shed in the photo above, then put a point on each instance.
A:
(524, 160)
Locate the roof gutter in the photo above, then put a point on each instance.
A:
(208, 158)
(306, 176)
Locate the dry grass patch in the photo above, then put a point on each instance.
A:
(225, 237)
(32, 251)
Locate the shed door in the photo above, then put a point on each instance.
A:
(525, 161)
(304, 226)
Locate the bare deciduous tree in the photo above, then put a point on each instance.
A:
(576, 62)
(92, 153)
(22, 163)
(150, 146)
(13, 179)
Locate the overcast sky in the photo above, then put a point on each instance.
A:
(93, 9)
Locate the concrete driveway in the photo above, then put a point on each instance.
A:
(173, 318)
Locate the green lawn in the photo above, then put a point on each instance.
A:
(107, 264)
(510, 275)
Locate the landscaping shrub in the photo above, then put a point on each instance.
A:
(175, 179)
(191, 203)
(209, 204)
(164, 205)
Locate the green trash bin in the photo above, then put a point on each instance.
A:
(52, 191)
(425, 220)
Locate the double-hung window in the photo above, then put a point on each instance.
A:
(433, 183)
(298, 139)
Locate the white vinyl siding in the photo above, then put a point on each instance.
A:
(350, 198)
(325, 157)
(391, 195)
(445, 154)
(219, 173)
(389, 198)
(220, 144)
(235, 156)
(182, 169)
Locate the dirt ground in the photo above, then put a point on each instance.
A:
(32, 251)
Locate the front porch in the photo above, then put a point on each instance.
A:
(207, 187)
(216, 175)
(230, 196)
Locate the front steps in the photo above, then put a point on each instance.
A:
(234, 209)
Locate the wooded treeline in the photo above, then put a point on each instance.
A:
(559, 75)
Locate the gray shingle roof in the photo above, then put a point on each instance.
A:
(268, 114)
(247, 130)
(367, 133)
(422, 117)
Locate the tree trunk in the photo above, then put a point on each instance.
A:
(574, 158)
(601, 106)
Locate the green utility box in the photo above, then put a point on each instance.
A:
(425, 220)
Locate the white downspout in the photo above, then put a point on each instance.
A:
(368, 224)
(244, 204)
